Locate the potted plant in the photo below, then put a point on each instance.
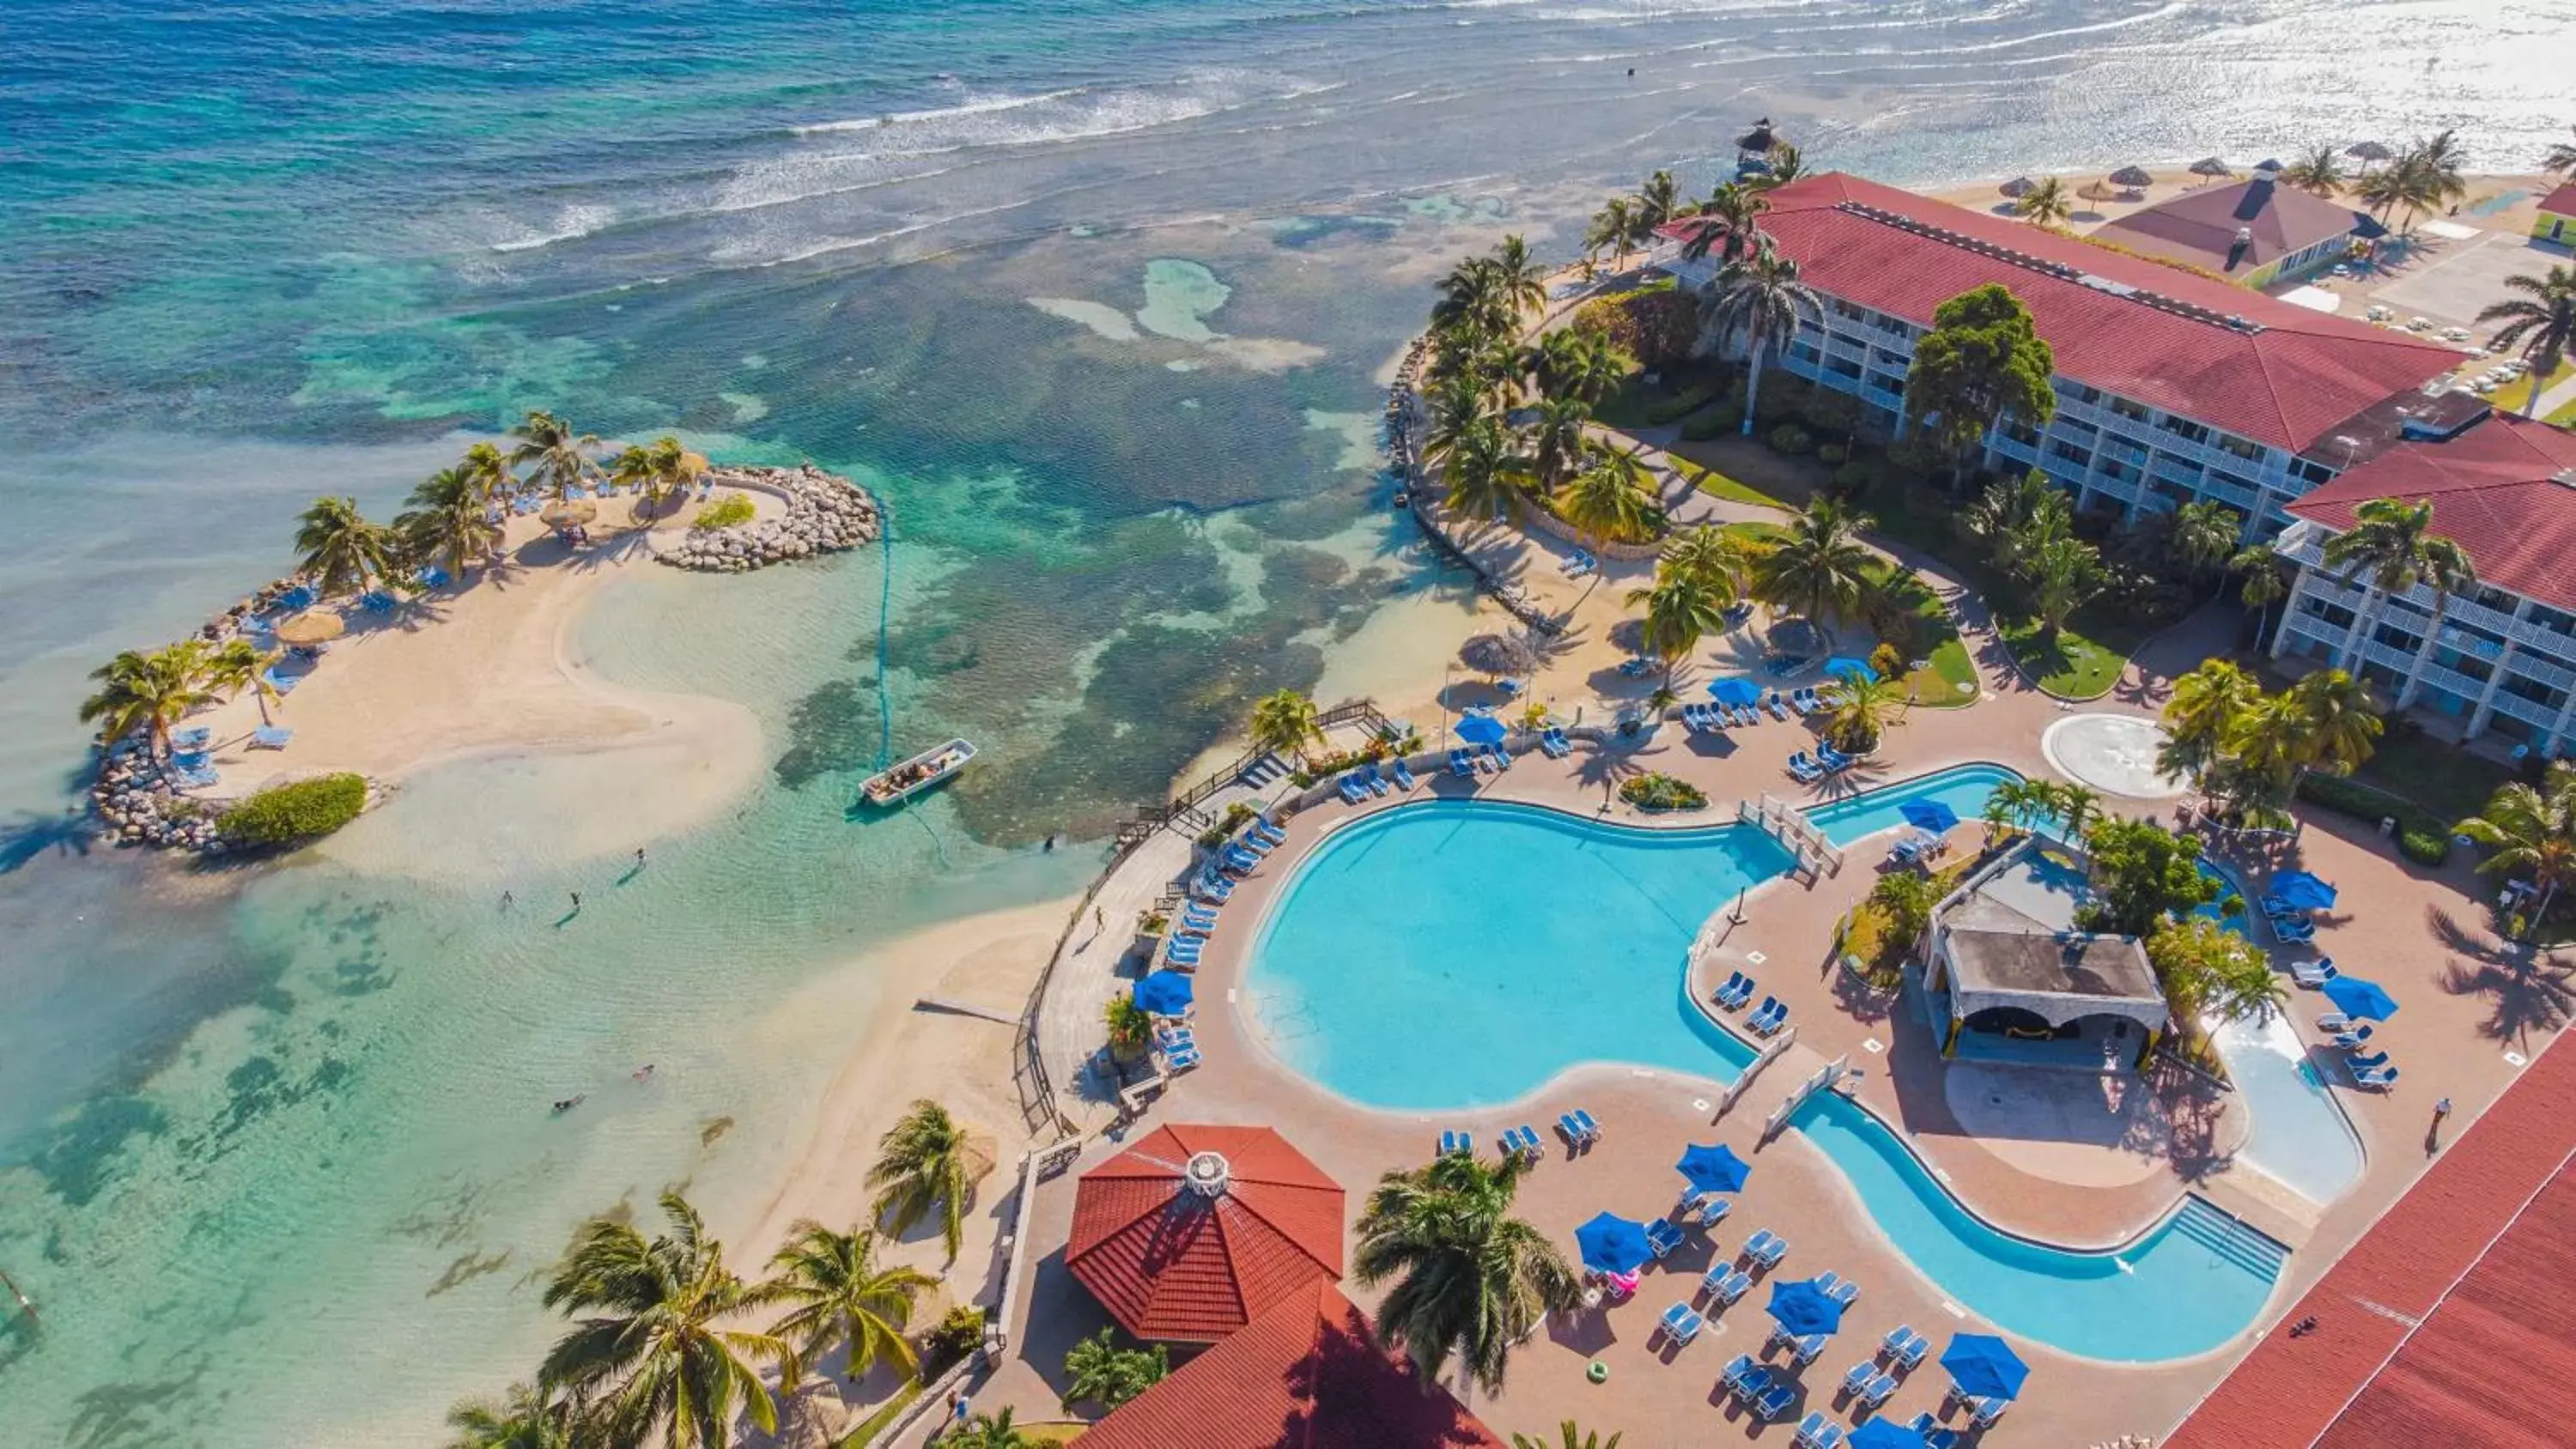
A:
(1150, 925)
(1131, 1031)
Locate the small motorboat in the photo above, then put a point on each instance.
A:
(921, 772)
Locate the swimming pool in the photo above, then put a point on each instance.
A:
(1963, 788)
(1424, 958)
(2300, 1134)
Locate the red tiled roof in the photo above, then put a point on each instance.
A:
(2562, 201)
(2199, 226)
(2495, 491)
(1172, 1263)
(2286, 382)
(2451, 1322)
(1308, 1374)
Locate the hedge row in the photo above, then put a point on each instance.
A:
(2422, 837)
(300, 810)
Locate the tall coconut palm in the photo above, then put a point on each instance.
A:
(2559, 159)
(1475, 300)
(2541, 324)
(837, 1293)
(1719, 559)
(1283, 722)
(2319, 172)
(1471, 1280)
(1611, 498)
(649, 1352)
(1595, 368)
(987, 1431)
(1101, 1372)
(449, 522)
(1728, 223)
(922, 1164)
(1456, 402)
(241, 665)
(522, 1418)
(1858, 708)
(2392, 543)
(148, 693)
(2390, 187)
(2339, 721)
(1659, 200)
(1761, 297)
(1787, 164)
(2206, 709)
(2530, 831)
(657, 470)
(1682, 608)
(489, 471)
(1484, 470)
(1569, 1436)
(555, 457)
(342, 551)
(1556, 441)
(2266, 581)
(2269, 747)
(2076, 808)
(2047, 204)
(2019, 804)
(1818, 568)
(1612, 228)
(2202, 534)
(1519, 276)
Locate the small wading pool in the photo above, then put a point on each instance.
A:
(1451, 954)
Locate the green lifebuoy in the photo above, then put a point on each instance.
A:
(1599, 1372)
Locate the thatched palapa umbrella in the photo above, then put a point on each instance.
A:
(2018, 187)
(1760, 139)
(2212, 167)
(2366, 152)
(312, 628)
(2132, 176)
(2099, 191)
(1498, 655)
(568, 513)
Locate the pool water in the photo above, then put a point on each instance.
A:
(1454, 954)
(2300, 1134)
(1963, 788)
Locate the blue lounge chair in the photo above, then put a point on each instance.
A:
(2350, 1040)
(195, 777)
(433, 577)
(2313, 973)
(1352, 794)
(1572, 1129)
(1726, 1284)
(1766, 1248)
(1742, 994)
(1982, 1413)
(1197, 914)
(1240, 860)
(1769, 1004)
(1859, 1377)
(1779, 706)
(1935, 1436)
(194, 737)
(1591, 1129)
(1403, 781)
(1774, 1403)
(282, 683)
(1741, 1374)
(1680, 1324)
(376, 601)
(298, 598)
(1778, 1018)
(271, 737)
(1802, 1348)
(1182, 1060)
(1556, 742)
(1726, 988)
(1714, 1211)
(1212, 888)
(1804, 770)
(2376, 1076)
(1378, 784)
(1662, 1236)
(2362, 1062)
(1269, 830)
(1454, 1141)
(1502, 757)
(1817, 1432)
(1458, 764)
(1838, 1288)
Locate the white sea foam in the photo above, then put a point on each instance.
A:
(570, 224)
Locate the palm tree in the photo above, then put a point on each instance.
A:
(522, 1418)
(148, 692)
(1596, 368)
(2441, 163)
(649, 1353)
(342, 551)
(2076, 808)
(2319, 172)
(489, 471)
(448, 521)
(1819, 568)
(2530, 831)
(2338, 720)
(1283, 722)
(241, 665)
(1487, 476)
(2019, 804)
(2560, 159)
(1456, 402)
(1712, 555)
(1471, 1280)
(1658, 201)
(2541, 322)
(555, 456)
(921, 1164)
(2208, 706)
(658, 470)
(838, 1294)
(1730, 223)
(2046, 204)
(1519, 277)
(2393, 543)
(988, 1431)
(2269, 746)
(1787, 165)
(1556, 440)
(1612, 227)
(2266, 582)
(1857, 710)
(2202, 534)
(1682, 608)
(1105, 1374)
(1611, 497)
(2390, 187)
(1761, 297)
(1569, 1436)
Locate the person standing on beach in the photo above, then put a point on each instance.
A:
(576, 900)
(506, 898)
(639, 857)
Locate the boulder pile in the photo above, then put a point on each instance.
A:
(135, 808)
(825, 514)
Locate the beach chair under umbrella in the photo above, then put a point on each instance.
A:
(1613, 1244)
(1713, 1169)
(1735, 691)
(2361, 999)
(311, 628)
(1482, 729)
(1983, 1366)
(1802, 1308)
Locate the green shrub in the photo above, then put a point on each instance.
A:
(1235, 815)
(959, 1333)
(726, 512)
(1829, 410)
(300, 810)
(1791, 440)
(1784, 399)
(1851, 479)
(2422, 836)
(1662, 792)
(1833, 453)
(1721, 420)
(1656, 326)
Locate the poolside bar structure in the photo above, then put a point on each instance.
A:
(2008, 967)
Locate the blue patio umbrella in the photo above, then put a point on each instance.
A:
(1164, 993)
(1713, 1169)
(2354, 996)
(2302, 891)
(1803, 1308)
(1846, 665)
(1883, 1434)
(1735, 691)
(1983, 1366)
(1613, 1244)
(1481, 729)
(1929, 815)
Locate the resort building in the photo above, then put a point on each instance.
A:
(2011, 979)
(2502, 659)
(2171, 387)
(2253, 233)
(2556, 219)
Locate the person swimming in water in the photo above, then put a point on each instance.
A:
(566, 1105)
(644, 1073)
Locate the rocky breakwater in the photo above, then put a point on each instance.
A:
(135, 806)
(825, 514)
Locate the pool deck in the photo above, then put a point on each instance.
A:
(2098, 1184)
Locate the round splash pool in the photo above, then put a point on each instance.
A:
(2113, 753)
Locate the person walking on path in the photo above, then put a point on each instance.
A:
(2433, 1135)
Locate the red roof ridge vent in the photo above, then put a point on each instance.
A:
(1207, 1174)
(2060, 270)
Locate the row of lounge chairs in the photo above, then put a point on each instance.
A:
(1578, 1126)
(1827, 760)
(1368, 780)
(1467, 760)
(2369, 1068)
(1179, 1046)
(1579, 1129)
(1763, 1020)
(1553, 743)
(1578, 563)
(1919, 847)
(1764, 1394)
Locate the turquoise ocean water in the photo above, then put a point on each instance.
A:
(273, 1152)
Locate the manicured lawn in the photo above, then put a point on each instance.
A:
(1678, 393)
(2071, 666)
(2445, 779)
(2565, 417)
(1719, 485)
(1747, 472)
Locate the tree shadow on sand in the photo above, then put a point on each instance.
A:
(2527, 990)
